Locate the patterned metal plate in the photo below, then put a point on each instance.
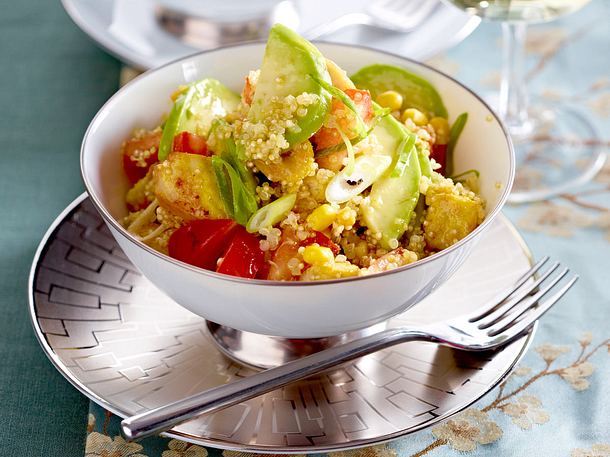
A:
(130, 348)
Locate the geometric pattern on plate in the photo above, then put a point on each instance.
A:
(130, 348)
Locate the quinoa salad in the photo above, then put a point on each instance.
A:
(308, 174)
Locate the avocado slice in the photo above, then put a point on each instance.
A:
(416, 91)
(393, 198)
(290, 66)
(195, 109)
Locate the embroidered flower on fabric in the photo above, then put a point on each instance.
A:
(601, 104)
(576, 375)
(597, 450)
(549, 352)
(374, 451)
(90, 423)
(586, 338)
(99, 445)
(526, 411)
(554, 219)
(470, 428)
(177, 448)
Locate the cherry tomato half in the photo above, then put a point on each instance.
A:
(191, 143)
(439, 154)
(243, 257)
(201, 242)
(139, 154)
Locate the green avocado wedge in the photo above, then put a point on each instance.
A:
(291, 66)
(195, 109)
(416, 91)
(394, 196)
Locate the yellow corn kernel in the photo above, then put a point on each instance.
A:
(415, 115)
(321, 217)
(346, 217)
(390, 99)
(345, 269)
(314, 254)
(441, 128)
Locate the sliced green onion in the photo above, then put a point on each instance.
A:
(404, 151)
(454, 136)
(349, 168)
(271, 214)
(368, 168)
(233, 154)
(342, 96)
(239, 202)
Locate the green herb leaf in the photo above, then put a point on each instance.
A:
(454, 136)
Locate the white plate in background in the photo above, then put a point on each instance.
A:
(128, 30)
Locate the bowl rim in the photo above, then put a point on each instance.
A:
(101, 113)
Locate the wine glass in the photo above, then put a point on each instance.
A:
(552, 154)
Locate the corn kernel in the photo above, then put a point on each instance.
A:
(315, 254)
(415, 115)
(345, 269)
(441, 128)
(321, 217)
(390, 99)
(346, 217)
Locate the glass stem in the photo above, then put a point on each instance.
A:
(513, 96)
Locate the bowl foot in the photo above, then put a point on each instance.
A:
(263, 351)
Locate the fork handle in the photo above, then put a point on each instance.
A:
(165, 417)
(345, 20)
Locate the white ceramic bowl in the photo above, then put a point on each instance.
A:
(291, 309)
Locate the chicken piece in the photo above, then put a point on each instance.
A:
(185, 185)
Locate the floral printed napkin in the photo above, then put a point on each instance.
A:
(556, 402)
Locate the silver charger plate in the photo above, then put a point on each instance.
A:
(129, 30)
(129, 348)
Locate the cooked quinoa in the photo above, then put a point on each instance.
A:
(320, 233)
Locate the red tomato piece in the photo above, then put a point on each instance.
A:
(190, 143)
(139, 154)
(322, 240)
(243, 257)
(201, 242)
(439, 154)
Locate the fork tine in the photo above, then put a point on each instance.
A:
(525, 306)
(502, 296)
(520, 327)
(513, 301)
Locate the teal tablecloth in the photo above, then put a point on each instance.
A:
(555, 404)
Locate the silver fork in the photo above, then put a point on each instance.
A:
(394, 15)
(506, 318)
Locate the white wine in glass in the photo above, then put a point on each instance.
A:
(543, 170)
